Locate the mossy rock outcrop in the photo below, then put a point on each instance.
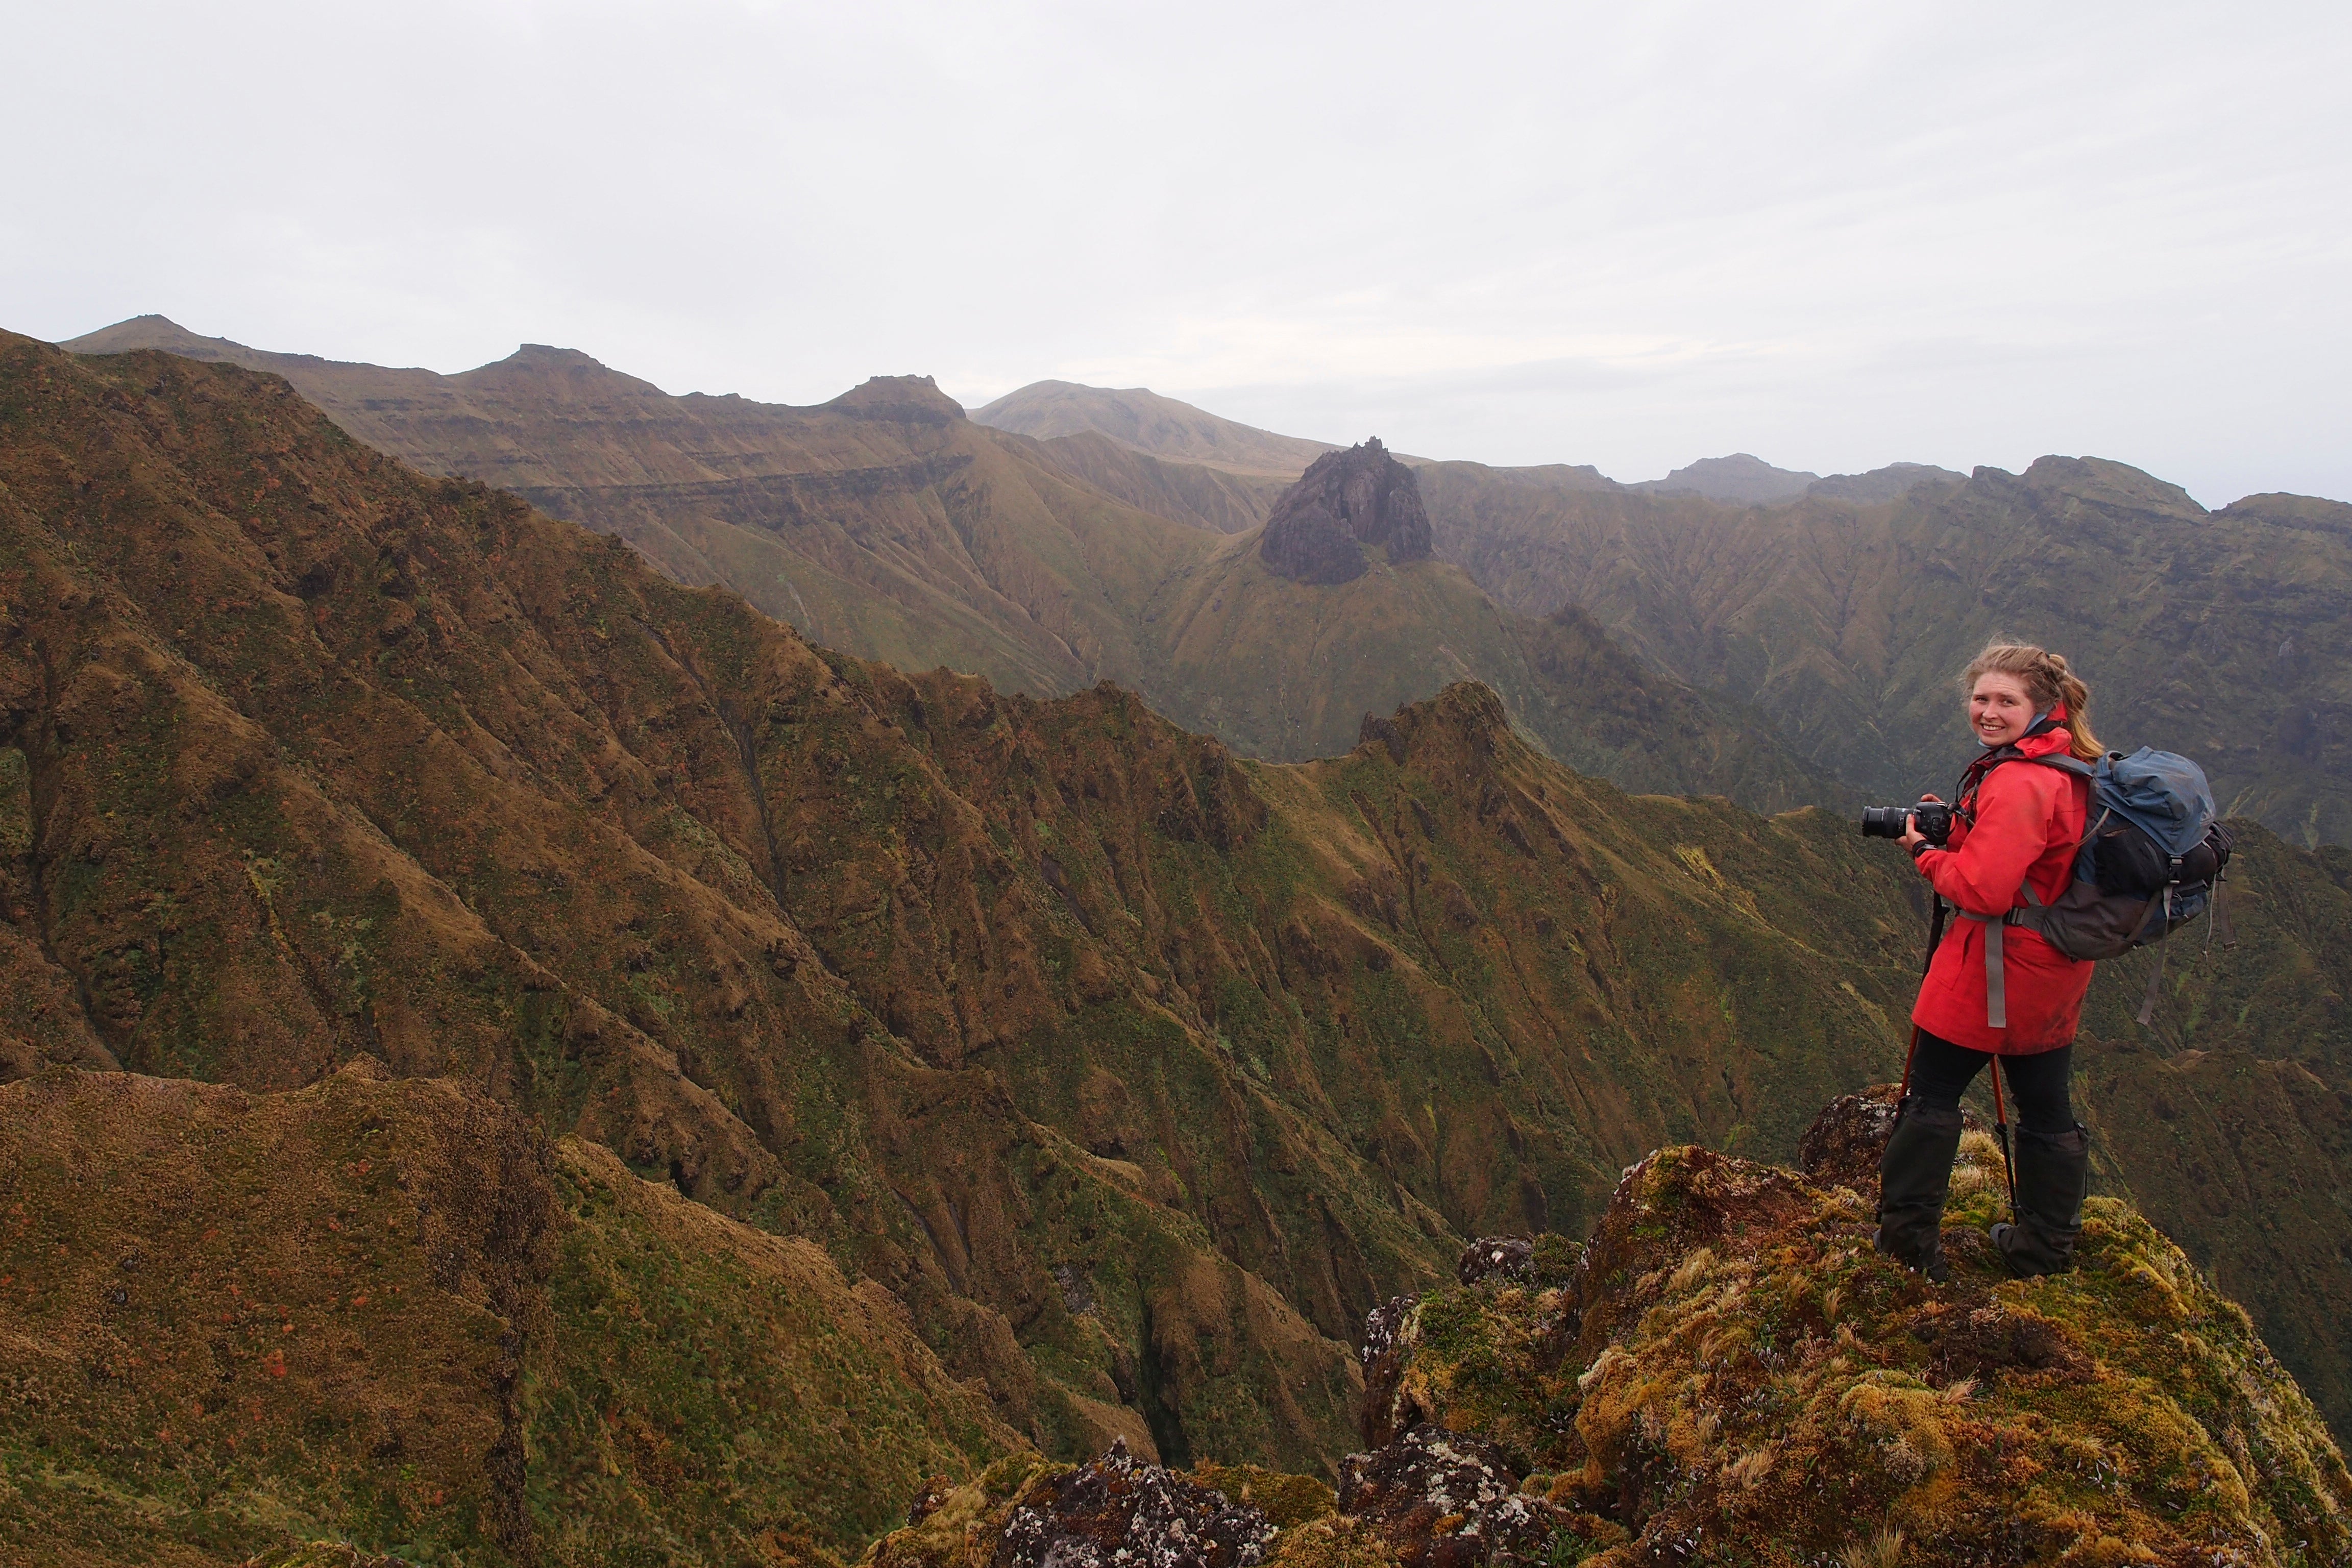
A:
(1728, 1373)
(1732, 1374)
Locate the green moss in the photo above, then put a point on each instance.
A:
(1751, 1370)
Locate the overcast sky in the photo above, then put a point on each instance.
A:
(1833, 235)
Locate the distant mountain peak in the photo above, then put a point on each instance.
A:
(1144, 421)
(899, 400)
(549, 355)
(2110, 483)
(154, 331)
(1345, 500)
(1741, 477)
(566, 372)
(1892, 482)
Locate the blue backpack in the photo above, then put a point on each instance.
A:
(2151, 861)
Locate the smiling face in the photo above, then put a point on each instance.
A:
(2001, 710)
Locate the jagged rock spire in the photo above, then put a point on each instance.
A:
(1345, 500)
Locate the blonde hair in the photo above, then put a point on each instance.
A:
(2049, 681)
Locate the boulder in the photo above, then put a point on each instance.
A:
(1121, 1511)
(1841, 1147)
(1449, 1499)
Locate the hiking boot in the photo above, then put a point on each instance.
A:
(1914, 1174)
(2053, 1172)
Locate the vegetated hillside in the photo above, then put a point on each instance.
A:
(1286, 671)
(2221, 1119)
(1144, 421)
(1843, 611)
(2225, 635)
(1135, 1071)
(391, 1312)
(322, 758)
(1216, 499)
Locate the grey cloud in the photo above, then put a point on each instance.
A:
(1832, 234)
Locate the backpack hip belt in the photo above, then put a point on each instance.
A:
(2030, 915)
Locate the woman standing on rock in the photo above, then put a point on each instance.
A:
(2015, 829)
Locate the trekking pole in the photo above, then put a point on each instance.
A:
(1911, 1052)
(2000, 1126)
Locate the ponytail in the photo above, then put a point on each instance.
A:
(2050, 681)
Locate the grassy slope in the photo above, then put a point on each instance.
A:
(1212, 498)
(1287, 670)
(448, 1340)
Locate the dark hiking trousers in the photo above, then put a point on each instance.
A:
(1942, 1071)
(2053, 1152)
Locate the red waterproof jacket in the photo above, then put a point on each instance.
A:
(2028, 822)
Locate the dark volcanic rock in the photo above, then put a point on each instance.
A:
(1447, 1500)
(1385, 730)
(1310, 545)
(1508, 1255)
(1385, 1352)
(1841, 1149)
(1124, 1511)
(1345, 500)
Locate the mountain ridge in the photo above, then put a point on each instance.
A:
(885, 523)
(1845, 622)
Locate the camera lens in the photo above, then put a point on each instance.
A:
(1884, 821)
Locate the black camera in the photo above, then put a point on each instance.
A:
(1887, 821)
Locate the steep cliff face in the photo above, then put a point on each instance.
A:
(1318, 528)
(883, 522)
